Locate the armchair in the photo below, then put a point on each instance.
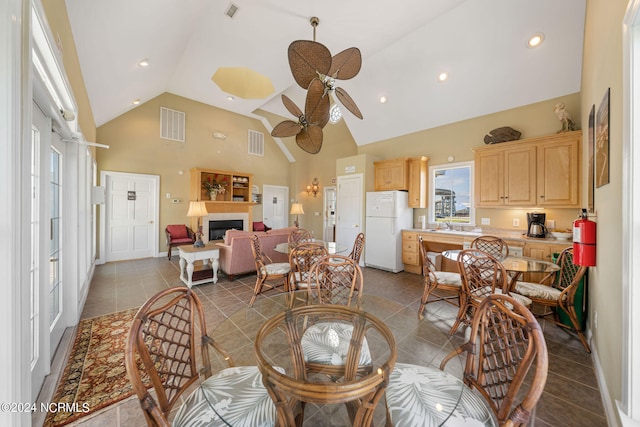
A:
(178, 234)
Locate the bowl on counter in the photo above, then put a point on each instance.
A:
(562, 235)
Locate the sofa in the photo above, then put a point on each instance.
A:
(235, 252)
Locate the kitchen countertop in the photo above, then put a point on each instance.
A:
(517, 235)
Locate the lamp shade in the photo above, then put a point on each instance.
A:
(296, 209)
(197, 209)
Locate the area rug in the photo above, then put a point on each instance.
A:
(95, 375)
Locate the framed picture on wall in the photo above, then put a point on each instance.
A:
(602, 142)
(591, 146)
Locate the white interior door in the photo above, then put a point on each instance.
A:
(131, 204)
(349, 208)
(275, 206)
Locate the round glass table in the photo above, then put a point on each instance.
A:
(420, 347)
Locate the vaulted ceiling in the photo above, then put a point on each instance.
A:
(405, 46)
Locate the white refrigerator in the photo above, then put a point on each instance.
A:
(387, 214)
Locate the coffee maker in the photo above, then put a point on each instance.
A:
(535, 224)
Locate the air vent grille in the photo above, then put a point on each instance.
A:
(256, 143)
(231, 11)
(171, 124)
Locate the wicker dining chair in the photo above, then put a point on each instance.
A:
(560, 294)
(358, 247)
(301, 259)
(490, 244)
(298, 236)
(161, 352)
(443, 280)
(505, 342)
(267, 270)
(360, 392)
(336, 280)
(482, 275)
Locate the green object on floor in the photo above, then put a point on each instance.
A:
(579, 302)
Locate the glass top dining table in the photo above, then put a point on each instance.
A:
(418, 342)
(515, 264)
(332, 247)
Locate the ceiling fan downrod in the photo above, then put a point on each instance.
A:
(314, 23)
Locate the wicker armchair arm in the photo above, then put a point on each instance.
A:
(207, 341)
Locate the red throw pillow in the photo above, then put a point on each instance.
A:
(178, 231)
(258, 226)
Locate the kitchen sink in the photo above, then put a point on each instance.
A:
(458, 232)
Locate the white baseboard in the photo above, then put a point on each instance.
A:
(610, 410)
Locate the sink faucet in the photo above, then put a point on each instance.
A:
(447, 225)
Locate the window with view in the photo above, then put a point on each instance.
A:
(451, 198)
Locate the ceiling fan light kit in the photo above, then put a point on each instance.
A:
(316, 71)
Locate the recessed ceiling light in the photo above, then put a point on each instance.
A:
(443, 77)
(144, 62)
(136, 102)
(230, 98)
(383, 99)
(535, 40)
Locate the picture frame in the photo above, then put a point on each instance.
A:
(591, 147)
(602, 142)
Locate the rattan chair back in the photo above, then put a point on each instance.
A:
(301, 259)
(266, 270)
(298, 236)
(490, 244)
(360, 392)
(505, 341)
(482, 275)
(358, 247)
(162, 344)
(336, 279)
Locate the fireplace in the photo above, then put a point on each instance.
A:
(218, 228)
(216, 224)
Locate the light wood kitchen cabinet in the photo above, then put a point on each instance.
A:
(535, 172)
(506, 177)
(391, 174)
(410, 251)
(418, 171)
(237, 185)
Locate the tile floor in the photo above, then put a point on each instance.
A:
(571, 396)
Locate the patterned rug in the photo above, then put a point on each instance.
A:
(95, 375)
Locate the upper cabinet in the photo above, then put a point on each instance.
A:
(391, 174)
(408, 174)
(234, 186)
(418, 171)
(540, 172)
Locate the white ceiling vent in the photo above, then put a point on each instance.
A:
(231, 10)
(171, 124)
(256, 143)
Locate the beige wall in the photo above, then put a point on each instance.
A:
(602, 69)
(458, 139)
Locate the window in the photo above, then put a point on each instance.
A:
(451, 198)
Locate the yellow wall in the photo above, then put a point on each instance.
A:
(602, 68)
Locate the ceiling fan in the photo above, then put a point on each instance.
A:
(315, 70)
(308, 128)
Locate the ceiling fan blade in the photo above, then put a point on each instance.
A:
(348, 102)
(346, 64)
(291, 106)
(286, 128)
(306, 59)
(317, 104)
(310, 139)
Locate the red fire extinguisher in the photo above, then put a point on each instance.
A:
(584, 241)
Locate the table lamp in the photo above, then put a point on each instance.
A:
(296, 209)
(198, 209)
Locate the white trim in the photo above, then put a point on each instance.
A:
(629, 405)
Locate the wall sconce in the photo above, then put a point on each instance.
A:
(312, 189)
